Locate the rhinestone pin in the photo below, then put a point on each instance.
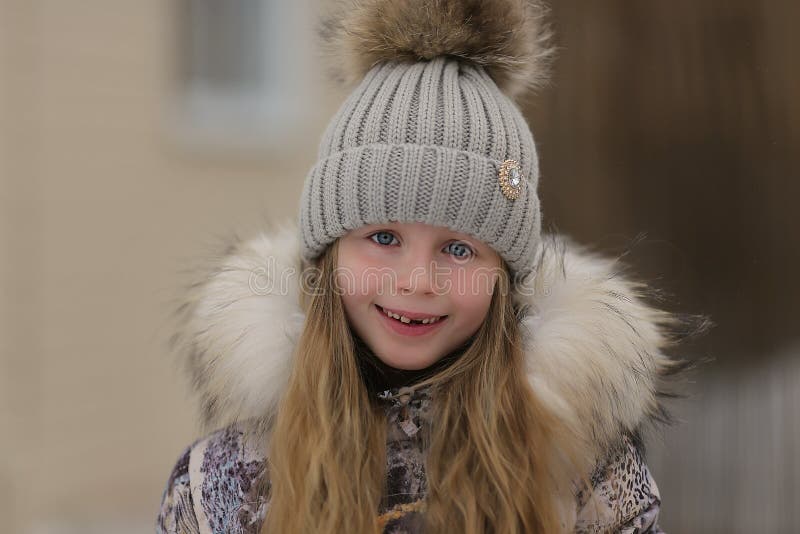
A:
(511, 180)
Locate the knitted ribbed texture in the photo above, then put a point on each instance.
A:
(424, 142)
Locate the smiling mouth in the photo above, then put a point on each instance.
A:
(409, 321)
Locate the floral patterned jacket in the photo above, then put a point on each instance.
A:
(594, 355)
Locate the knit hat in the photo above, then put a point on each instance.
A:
(430, 132)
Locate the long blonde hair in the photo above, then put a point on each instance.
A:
(490, 438)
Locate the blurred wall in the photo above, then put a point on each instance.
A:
(733, 462)
(101, 211)
(676, 119)
(681, 120)
(671, 134)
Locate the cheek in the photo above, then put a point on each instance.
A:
(358, 278)
(474, 309)
(473, 284)
(472, 294)
(354, 296)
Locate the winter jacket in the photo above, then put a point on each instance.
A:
(594, 354)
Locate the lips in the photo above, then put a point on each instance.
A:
(411, 328)
(408, 317)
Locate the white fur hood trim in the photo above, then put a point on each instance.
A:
(594, 348)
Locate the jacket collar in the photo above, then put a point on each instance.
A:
(593, 346)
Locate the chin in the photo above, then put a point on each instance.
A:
(407, 364)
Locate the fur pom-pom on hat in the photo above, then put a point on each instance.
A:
(508, 38)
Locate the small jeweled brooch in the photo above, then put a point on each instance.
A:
(510, 179)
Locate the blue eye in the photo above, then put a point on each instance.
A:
(459, 250)
(384, 238)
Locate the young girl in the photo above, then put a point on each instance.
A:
(415, 355)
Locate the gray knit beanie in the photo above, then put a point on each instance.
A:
(429, 134)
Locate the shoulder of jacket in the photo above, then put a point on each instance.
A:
(228, 481)
(176, 513)
(624, 496)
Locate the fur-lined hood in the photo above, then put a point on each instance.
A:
(594, 348)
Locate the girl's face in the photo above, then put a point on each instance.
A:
(436, 284)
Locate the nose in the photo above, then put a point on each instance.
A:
(414, 274)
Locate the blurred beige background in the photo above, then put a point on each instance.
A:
(104, 203)
(117, 173)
